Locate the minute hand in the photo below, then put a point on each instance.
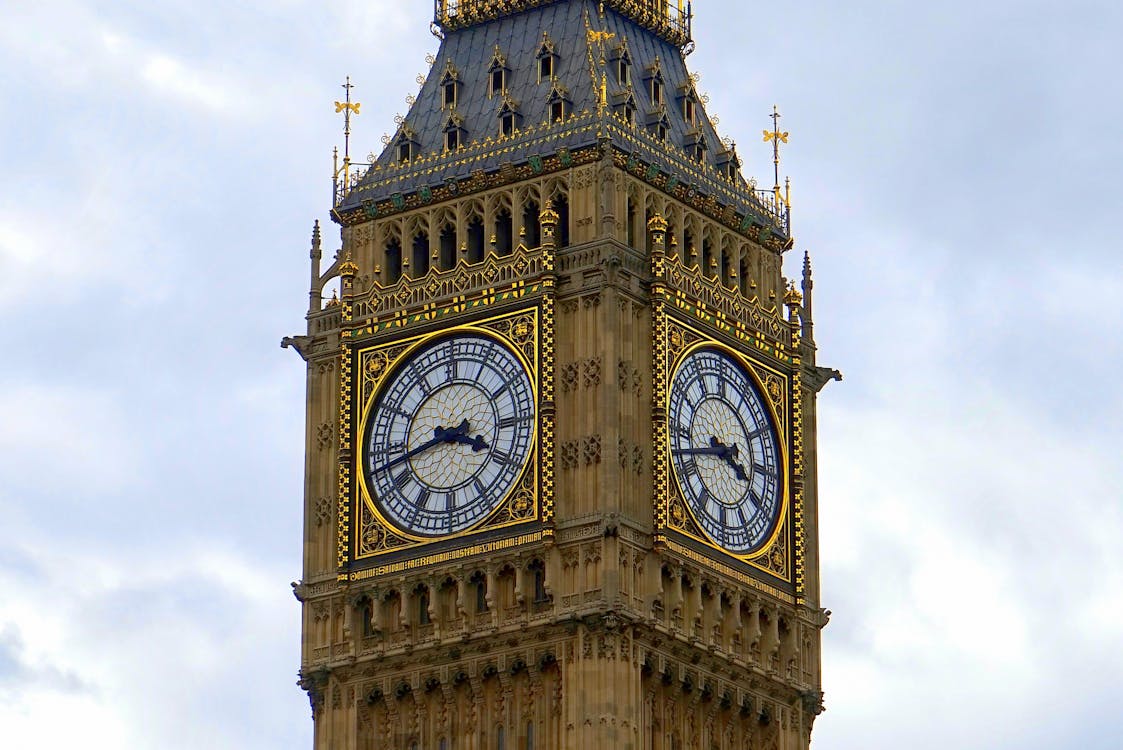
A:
(721, 452)
(440, 435)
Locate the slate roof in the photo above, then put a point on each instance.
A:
(579, 71)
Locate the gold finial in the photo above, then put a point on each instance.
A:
(776, 137)
(792, 297)
(348, 267)
(657, 224)
(347, 107)
(548, 215)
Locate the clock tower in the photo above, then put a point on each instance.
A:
(560, 486)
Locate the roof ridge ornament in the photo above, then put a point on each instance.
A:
(671, 20)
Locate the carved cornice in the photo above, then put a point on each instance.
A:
(495, 279)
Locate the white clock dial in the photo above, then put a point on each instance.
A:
(449, 435)
(725, 450)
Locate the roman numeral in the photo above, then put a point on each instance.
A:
(506, 385)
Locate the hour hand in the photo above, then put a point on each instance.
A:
(477, 442)
(730, 457)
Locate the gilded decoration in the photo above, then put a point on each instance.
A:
(708, 300)
(519, 331)
(774, 556)
(459, 289)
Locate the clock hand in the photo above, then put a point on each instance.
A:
(717, 448)
(720, 450)
(440, 435)
(730, 457)
(477, 442)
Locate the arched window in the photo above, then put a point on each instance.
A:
(500, 739)
(393, 261)
(561, 205)
(423, 606)
(530, 223)
(631, 222)
(530, 735)
(420, 255)
(504, 232)
(448, 247)
(479, 581)
(475, 240)
(366, 612)
(539, 570)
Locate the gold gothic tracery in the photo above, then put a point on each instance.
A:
(519, 331)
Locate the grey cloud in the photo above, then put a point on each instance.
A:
(18, 675)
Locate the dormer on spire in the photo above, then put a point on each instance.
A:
(510, 119)
(624, 106)
(695, 145)
(405, 144)
(498, 73)
(450, 86)
(688, 97)
(656, 86)
(560, 104)
(547, 58)
(621, 61)
(455, 134)
(659, 124)
(728, 162)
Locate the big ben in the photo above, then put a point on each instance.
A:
(560, 482)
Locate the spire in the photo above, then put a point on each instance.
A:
(808, 285)
(315, 254)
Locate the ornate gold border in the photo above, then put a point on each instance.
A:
(519, 331)
(736, 575)
(444, 557)
(775, 388)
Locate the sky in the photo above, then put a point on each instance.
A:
(953, 168)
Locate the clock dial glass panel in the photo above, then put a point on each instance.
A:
(725, 450)
(449, 435)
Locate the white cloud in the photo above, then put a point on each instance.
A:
(160, 649)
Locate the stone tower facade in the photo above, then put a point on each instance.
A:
(560, 479)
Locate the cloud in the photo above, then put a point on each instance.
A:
(17, 675)
(169, 646)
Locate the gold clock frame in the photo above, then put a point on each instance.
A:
(520, 331)
(772, 555)
(686, 309)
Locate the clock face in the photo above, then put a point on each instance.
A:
(449, 435)
(724, 450)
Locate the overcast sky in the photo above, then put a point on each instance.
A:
(954, 169)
